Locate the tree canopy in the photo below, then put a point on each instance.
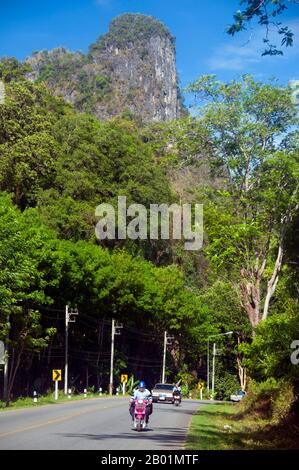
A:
(266, 13)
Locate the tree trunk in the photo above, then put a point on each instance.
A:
(13, 371)
(275, 275)
(241, 370)
(270, 291)
(242, 375)
(175, 353)
(272, 284)
(250, 294)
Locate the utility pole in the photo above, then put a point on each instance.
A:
(66, 345)
(6, 358)
(227, 333)
(114, 331)
(164, 357)
(68, 320)
(167, 341)
(111, 358)
(213, 369)
(5, 384)
(208, 366)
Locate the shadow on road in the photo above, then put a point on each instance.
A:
(166, 437)
(180, 409)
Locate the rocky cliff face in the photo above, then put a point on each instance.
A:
(129, 70)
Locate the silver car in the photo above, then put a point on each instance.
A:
(163, 393)
(238, 396)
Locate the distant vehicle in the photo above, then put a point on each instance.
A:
(238, 396)
(177, 398)
(163, 393)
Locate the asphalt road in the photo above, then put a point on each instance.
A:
(102, 423)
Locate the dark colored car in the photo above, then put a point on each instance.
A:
(163, 393)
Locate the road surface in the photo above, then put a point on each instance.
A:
(98, 424)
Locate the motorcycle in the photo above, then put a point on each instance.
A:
(177, 398)
(140, 405)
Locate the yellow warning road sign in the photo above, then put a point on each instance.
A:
(56, 375)
(124, 378)
(200, 386)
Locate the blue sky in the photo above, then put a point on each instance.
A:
(199, 28)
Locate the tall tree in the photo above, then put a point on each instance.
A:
(247, 223)
(28, 265)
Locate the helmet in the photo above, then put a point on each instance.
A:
(141, 384)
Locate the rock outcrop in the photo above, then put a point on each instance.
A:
(131, 70)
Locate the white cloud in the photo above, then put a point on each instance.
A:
(236, 58)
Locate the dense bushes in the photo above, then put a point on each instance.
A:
(273, 392)
(269, 355)
(271, 399)
(67, 163)
(226, 386)
(37, 269)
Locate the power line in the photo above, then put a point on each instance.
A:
(145, 365)
(103, 322)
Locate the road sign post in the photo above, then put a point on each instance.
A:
(200, 387)
(124, 380)
(56, 390)
(56, 377)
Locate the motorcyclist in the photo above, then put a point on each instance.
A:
(177, 390)
(141, 392)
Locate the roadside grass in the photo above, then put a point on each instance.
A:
(27, 402)
(223, 427)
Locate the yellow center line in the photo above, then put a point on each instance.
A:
(55, 421)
